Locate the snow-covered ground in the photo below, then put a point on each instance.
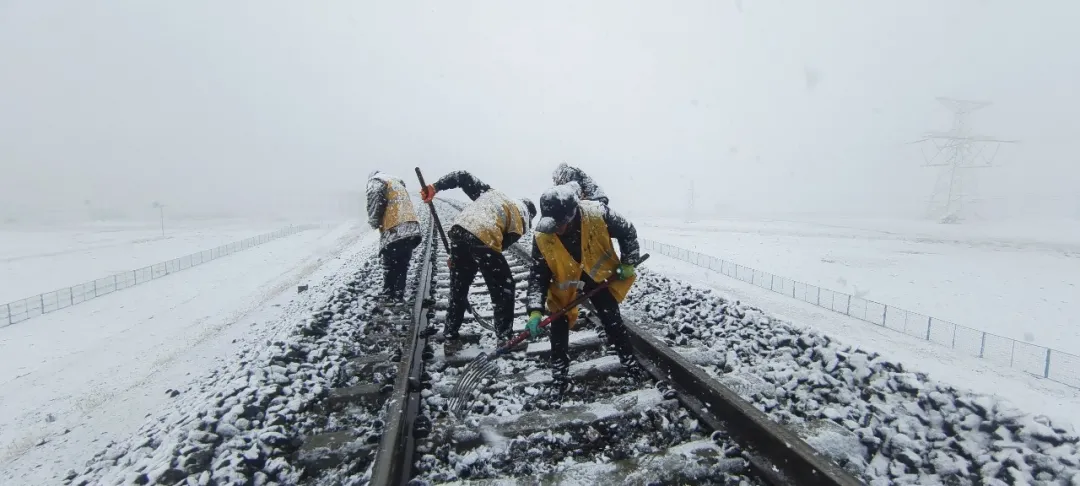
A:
(75, 380)
(902, 426)
(1030, 393)
(1017, 280)
(41, 259)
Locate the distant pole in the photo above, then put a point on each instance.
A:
(161, 212)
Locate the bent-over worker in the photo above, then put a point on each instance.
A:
(390, 210)
(573, 253)
(479, 235)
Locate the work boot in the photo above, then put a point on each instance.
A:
(633, 368)
(560, 384)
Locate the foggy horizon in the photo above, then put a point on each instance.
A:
(283, 108)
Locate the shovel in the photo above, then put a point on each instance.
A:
(446, 245)
(484, 365)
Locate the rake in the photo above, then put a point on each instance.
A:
(446, 245)
(484, 366)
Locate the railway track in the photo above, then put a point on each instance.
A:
(681, 427)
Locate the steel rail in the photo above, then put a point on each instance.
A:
(394, 459)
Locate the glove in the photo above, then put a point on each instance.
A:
(534, 324)
(427, 193)
(449, 263)
(624, 272)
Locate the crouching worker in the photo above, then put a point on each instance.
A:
(587, 189)
(480, 233)
(573, 253)
(391, 211)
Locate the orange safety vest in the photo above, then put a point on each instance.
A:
(599, 261)
(491, 215)
(399, 207)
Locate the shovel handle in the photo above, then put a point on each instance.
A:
(434, 215)
(523, 335)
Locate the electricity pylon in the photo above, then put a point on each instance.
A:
(957, 151)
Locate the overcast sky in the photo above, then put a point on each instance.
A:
(767, 104)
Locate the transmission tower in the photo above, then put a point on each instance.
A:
(957, 152)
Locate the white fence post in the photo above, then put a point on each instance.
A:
(929, 321)
(1046, 370)
(847, 311)
(982, 345)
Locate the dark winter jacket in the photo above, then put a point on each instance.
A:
(376, 207)
(474, 188)
(621, 229)
(590, 190)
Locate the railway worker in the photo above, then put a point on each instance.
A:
(588, 189)
(391, 211)
(572, 253)
(480, 233)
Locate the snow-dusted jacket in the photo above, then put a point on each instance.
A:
(541, 274)
(494, 218)
(590, 190)
(390, 210)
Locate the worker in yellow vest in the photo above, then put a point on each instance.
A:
(573, 253)
(390, 210)
(489, 225)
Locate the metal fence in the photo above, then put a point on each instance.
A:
(1037, 360)
(37, 305)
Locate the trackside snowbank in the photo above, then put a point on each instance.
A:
(912, 430)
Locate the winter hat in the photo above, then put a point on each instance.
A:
(562, 174)
(558, 206)
(530, 207)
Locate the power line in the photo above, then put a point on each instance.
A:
(956, 151)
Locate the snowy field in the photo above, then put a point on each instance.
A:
(75, 380)
(1030, 393)
(41, 259)
(1015, 280)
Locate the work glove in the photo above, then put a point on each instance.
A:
(624, 272)
(449, 263)
(427, 193)
(534, 324)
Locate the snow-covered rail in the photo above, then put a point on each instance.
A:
(609, 428)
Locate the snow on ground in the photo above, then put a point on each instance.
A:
(1029, 392)
(906, 427)
(75, 380)
(1016, 280)
(34, 260)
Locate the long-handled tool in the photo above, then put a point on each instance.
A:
(446, 245)
(484, 366)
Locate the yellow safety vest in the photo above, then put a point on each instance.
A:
(491, 215)
(399, 207)
(599, 261)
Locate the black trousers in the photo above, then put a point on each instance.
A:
(469, 255)
(607, 309)
(395, 260)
